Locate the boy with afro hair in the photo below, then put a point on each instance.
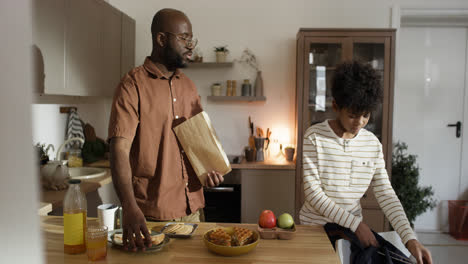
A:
(341, 159)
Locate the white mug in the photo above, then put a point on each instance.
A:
(107, 215)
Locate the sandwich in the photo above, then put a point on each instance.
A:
(155, 239)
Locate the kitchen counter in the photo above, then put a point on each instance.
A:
(44, 208)
(310, 245)
(90, 185)
(265, 165)
(254, 165)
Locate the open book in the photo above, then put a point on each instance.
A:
(202, 146)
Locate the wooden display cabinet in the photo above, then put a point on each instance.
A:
(325, 48)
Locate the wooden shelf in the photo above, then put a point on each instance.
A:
(237, 98)
(327, 104)
(195, 65)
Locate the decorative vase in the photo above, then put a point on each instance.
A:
(221, 56)
(259, 84)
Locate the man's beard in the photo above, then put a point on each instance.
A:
(173, 59)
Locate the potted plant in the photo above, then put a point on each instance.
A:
(221, 53)
(43, 152)
(405, 177)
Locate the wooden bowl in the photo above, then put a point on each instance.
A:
(230, 250)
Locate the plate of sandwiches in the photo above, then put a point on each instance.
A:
(179, 230)
(231, 241)
(158, 239)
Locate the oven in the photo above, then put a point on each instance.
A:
(223, 203)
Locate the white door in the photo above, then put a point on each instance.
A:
(429, 95)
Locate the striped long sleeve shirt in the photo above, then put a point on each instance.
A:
(337, 173)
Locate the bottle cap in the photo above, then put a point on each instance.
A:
(74, 181)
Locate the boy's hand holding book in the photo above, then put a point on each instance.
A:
(365, 236)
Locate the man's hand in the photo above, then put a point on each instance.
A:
(365, 235)
(214, 179)
(421, 253)
(133, 226)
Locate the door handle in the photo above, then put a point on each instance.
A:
(219, 189)
(458, 126)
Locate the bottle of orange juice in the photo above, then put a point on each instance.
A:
(74, 219)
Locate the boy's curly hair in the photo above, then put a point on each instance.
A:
(356, 87)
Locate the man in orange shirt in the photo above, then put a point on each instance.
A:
(150, 171)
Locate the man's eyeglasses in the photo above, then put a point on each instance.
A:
(189, 42)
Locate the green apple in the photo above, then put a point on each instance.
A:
(285, 221)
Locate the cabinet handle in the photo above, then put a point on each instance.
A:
(220, 189)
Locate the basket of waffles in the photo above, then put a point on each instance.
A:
(231, 241)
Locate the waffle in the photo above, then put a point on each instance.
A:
(242, 236)
(220, 237)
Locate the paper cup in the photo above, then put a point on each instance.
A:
(107, 215)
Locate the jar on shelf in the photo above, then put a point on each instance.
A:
(216, 89)
(234, 88)
(246, 88)
(74, 158)
(228, 88)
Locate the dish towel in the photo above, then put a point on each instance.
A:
(74, 129)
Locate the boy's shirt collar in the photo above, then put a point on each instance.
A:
(342, 140)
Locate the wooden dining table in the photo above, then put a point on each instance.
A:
(310, 245)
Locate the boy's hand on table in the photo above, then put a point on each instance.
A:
(421, 253)
(214, 179)
(365, 235)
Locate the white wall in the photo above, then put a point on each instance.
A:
(50, 125)
(19, 223)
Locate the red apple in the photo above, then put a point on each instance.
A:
(267, 219)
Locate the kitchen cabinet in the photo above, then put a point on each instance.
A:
(112, 43)
(49, 46)
(263, 189)
(85, 47)
(326, 48)
(128, 44)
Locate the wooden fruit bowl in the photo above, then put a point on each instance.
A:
(277, 233)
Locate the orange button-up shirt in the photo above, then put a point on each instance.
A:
(147, 105)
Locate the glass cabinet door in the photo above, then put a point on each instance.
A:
(374, 55)
(323, 56)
